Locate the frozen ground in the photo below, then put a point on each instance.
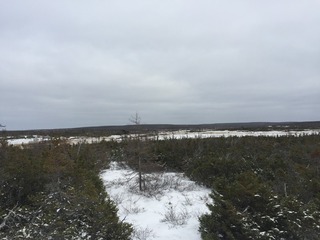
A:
(168, 209)
(169, 134)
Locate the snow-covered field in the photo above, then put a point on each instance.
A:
(169, 134)
(168, 208)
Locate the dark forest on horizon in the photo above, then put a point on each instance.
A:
(126, 129)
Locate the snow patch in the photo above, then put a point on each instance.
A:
(166, 135)
(169, 213)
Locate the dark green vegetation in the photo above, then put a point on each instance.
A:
(53, 191)
(263, 187)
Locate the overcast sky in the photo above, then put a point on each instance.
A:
(79, 63)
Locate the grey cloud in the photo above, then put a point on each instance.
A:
(67, 64)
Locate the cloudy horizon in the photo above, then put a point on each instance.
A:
(83, 63)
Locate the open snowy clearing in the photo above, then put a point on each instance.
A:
(167, 135)
(169, 208)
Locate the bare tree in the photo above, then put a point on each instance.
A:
(136, 120)
(142, 155)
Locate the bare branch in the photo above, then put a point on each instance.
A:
(5, 219)
(135, 119)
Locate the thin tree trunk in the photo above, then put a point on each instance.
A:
(285, 190)
(140, 176)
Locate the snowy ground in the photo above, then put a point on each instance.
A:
(169, 134)
(168, 209)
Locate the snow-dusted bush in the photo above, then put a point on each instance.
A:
(155, 184)
(53, 191)
(249, 209)
(175, 217)
(142, 233)
(131, 206)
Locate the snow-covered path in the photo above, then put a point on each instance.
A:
(169, 211)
